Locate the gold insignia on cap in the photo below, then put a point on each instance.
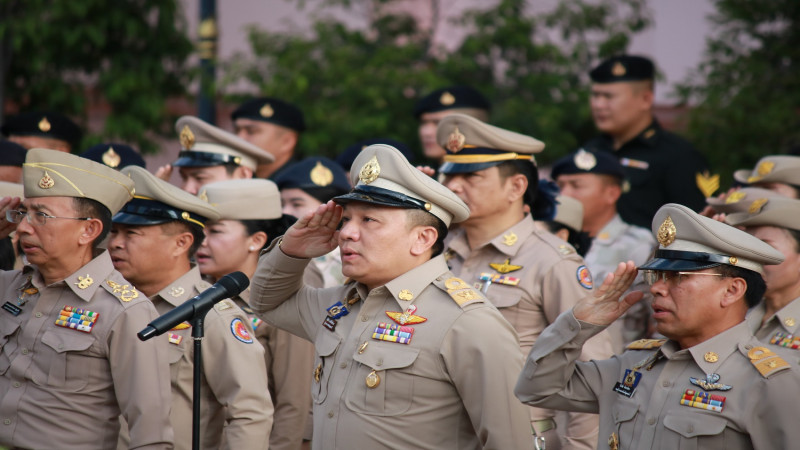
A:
(789, 321)
(203, 196)
(373, 380)
(266, 111)
(735, 197)
(370, 171)
(456, 140)
(765, 168)
(111, 158)
(711, 357)
(321, 175)
(708, 184)
(510, 239)
(405, 295)
(584, 160)
(428, 206)
(756, 206)
(618, 69)
(187, 137)
(447, 99)
(84, 282)
(44, 125)
(176, 291)
(185, 215)
(733, 260)
(46, 182)
(666, 232)
(505, 266)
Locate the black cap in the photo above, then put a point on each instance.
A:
(451, 97)
(273, 110)
(623, 68)
(584, 161)
(43, 123)
(316, 176)
(12, 154)
(114, 155)
(348, 155)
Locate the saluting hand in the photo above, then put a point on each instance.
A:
(315, 234)
(6, 204)
(604, 307)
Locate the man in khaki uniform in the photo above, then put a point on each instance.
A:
(779, 173)
(531, 276)
(210, 154)
(711, 384)
(152, 240)
(408, 355)
(288, 359)
(70, 363)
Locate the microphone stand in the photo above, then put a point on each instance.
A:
(198, 332)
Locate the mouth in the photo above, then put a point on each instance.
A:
(348, 255)
(202, 257)
(660, 312)
(28, 247)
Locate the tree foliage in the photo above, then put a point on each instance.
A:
(357, 83)
(747, 88)
(131, 51)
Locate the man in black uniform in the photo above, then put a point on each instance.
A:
(660, 166)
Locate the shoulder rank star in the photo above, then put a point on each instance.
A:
(505, 266)
(407, 317)
(710, 383)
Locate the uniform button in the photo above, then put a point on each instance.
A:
(343, 365)
(7, 421)
(38, 314)
(651, 421)
(364, 318)
(24, 351)
(330, 414)
(665, 383)
(17, 384)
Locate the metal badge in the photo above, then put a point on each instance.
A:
(187, 137)
(111, 158)
(666, 232)
(447, 99)
(456, 141)
(44, 125)
(46, 182)
(266, 111)
(370, 171)
(321, 175)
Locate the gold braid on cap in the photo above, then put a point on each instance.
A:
(471, 159)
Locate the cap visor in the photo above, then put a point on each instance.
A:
(451, 167)
(126, 218)
(186, 161)
(375, 199)
(677, 265)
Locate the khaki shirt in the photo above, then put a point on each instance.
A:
(549, 284)
(65, 388)
(617, 242)
(449, 388)
(289, 361)
(236, 409)
(759, 411)
(779, 332)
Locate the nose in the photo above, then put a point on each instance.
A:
(191, 186)
(659, 287)
(453, 182)
(348, 232)
(24, 226)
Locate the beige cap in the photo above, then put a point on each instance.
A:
(772, 169)
(382, 175)
(775, 211)
(8, 189)
(569, 212)
(203, 145)
(689, 241)
(740, 200)
(473, 145)
(158, 202)
(244, 199)
(51, 173)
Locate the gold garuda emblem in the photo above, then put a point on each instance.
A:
(370, 171)
(505, 266)
(111, 158)
(456, 140)
(187, 137)
(666, 232)
(46, 182)
(321, 175)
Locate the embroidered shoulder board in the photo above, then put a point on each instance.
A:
(645, 344)
(123, 292)
(462, 293)
(766, 362)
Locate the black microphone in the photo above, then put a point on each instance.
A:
(228, 286)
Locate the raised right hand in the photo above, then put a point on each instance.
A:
(604, 306)
(315, 234)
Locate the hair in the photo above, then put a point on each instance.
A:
(420, 218)
(87, 207)
(527, 168)
(177, 226)
(756, 286)
(272, 227)
(580, 240)
(640, 85)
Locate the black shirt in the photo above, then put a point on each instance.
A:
(661, 167)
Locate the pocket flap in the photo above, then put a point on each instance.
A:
(61, 342)
(624, 412)
(689, 424)
(396, 357)
(327, 343)
(503, 296)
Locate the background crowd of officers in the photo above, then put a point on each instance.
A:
(460, 301)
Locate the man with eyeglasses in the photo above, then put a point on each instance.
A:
(70, 364)
(711, 384)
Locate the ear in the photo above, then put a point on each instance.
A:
(423, 239)
(91, 230)
(562, 234)
(612, 192)
(647, 99)
(183, 242)
(734, 292)
(518, 184)
(287, 141)
(257, 240)
(242, 172)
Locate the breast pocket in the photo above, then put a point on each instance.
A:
(64, 363)
(696, 431)
(8, 344)
(394, 368)
(625, 414)
(503, 296)
(325, 348)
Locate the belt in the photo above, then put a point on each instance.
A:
(542, 426)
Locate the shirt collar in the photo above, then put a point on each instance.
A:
(406, 288)
(710, 354)
(187, 286)
(86, 280)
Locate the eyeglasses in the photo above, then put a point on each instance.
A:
(652, 276)
(37, 218)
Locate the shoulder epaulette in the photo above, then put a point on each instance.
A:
(123, 292)
(645, 344)
(462, 293)
(766, 362)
